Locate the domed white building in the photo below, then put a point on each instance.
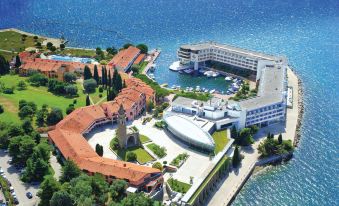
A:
(187, 131)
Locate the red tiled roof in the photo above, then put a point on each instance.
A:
(139, 59)
(67, 136)
(124, 58)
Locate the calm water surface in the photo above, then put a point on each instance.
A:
(306, 31)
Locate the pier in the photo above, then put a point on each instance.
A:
(153, 56)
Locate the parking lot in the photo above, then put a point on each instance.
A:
(20, 188)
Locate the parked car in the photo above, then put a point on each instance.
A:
(16, 201)
(1, 171)
(10, 161)
(29, 195)
(11, 188)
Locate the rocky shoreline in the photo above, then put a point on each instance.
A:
(300, 114)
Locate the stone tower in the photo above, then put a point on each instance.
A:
(122, 130)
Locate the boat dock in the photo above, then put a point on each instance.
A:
(153, 56)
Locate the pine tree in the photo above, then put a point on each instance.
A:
(109, 78)
(96, 75)
(106, 78)
(102, 76)
(234, 132)
(118, 86)
(269, 135)
(88, 101)
(236, 159)
(87, 73)
(124, 84)
(17, 61)
(280, 141)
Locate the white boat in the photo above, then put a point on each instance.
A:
(198, 89)
(212, 91)
(215, 74)
(188, 71)
(208, 73)
(228, 78)
(206, 90)
(173, 87)
(176, 66)
(191, 89)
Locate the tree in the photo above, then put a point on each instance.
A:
(280, 140)
(131, 156)
(21, 148)
(62, 46)
(70, 109)
(103, 76)
(71, 90)
(47, 188)
(38, 79)
(254, 129)
(69, 171)
(127, 45)
(88, 101)
(236, 159)
(149, 106)
(35, 38)
(52, 48)
(42, 151)
(87, 73)
(109, 78)
(49, 45)
(1, 109)
(143, 48)
(245, 137)
(99, 149)
(26, 112)
(117, 190)
(21, 85)
(4, 66)
(234, 132)
(90, 85)
(54, 116)
(38, 44)
(135, 68)
(70, 77)
(137, 199)
(41, 116)
(157, 165)
(27, 126)
(99, 188)
(96, 75)
(17, 61)
(62, 198)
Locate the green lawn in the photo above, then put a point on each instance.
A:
(178, 186)
(11, 41)
(144, 139)
(220, 138)
(142, 66)
(39, 95)
(78, 52)
(222, 163)
(142, 155)
(157, 150)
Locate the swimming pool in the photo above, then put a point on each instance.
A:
(72, 59)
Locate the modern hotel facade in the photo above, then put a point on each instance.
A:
(268, 107)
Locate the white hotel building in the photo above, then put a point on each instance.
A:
(268, 107)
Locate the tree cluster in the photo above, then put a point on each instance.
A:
(62, 88)
(99, 149)
(271, 146)
(4, 66)
(243, 137)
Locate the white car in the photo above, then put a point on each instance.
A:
(1, 171)
(11, 188)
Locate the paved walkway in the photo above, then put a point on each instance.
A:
(227, 189)
(56, 167)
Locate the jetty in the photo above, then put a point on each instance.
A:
(153, 56)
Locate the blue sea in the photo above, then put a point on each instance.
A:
(305, 31)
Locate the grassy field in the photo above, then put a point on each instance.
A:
(178, 186)
(142, 155)
(220, 138)
(12, 41)
(39, 95)
(144, 139)
(8, 55)
(78, 52)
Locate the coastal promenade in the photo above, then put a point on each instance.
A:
(227, 190)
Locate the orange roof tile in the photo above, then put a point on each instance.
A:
(139, 59)
(124, 58)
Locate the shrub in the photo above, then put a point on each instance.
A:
(71, 90)
(8, 90)
(101, 90)
(131, 156)
(90, 85)
(38, 79)
(21, 85)
(1, 109)
(157, 165)
(156, 149)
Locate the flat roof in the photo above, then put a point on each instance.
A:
(187, 102)
(270, 90)
(208, 45)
